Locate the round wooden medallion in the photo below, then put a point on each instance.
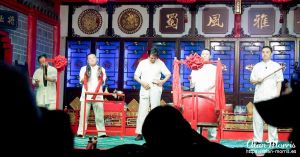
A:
(90, 21)
(130, 21)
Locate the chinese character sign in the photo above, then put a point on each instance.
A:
(261, 21)
(215, 20)
(8, 19)
(297, 20)
(172, 20)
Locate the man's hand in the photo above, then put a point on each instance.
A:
(145, 85)
(49, 79)
(36, 83)
(258, 81)
(160, 83)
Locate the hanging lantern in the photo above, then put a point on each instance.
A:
(281, 1)
(98, 1)
(186, 1)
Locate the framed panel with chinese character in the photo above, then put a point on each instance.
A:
(297, 20)
(215, 20)
(172, 20)
(261, 21)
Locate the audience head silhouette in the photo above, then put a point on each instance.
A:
(165, 127)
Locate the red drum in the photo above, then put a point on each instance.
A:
(200, 108)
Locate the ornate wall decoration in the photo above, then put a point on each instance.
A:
(297, 20)
(215, 20)
(261, 21)
(130, 21)
(172, 20)
(90, 21)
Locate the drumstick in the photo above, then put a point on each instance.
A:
(272, 73)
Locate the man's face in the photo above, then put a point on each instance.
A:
(92, 60)
(205, 54)
(266, 54)
(153, 58)
(42, 61)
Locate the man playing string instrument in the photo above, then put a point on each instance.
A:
(44, 80)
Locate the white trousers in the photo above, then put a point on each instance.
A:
(99, 117)
(211, 133)
(149, 99)
(51, 106)
(258, 128)
(48, 106)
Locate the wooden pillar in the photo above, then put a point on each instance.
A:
(237, 18)
(31, 42)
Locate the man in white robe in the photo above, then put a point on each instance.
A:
(267, 77)
(204, 80)
(92, 72)
(44, 80)
(148, 74)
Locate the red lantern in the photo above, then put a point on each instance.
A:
(186, 1)
(281, 1)
(98, 1)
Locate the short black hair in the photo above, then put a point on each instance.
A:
(268, 47)
(207, 50)
(41, 56)
(90, 54)
(153, 51)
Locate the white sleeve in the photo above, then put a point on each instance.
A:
(53, 73)
(253, 75)
(104, 75)
(279, 75)
(34, 77)
(193, 78)
(138, 71)
(164, 70)
(213, 73)
(81, 74)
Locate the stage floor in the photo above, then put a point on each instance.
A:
(112, 141)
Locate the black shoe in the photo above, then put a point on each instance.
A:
(79, 135)
(103, 136)
(139, 137)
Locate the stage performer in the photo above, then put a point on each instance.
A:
(204, 80)
(93, 77)
(148, 74)
(267, 77)
(44, 80)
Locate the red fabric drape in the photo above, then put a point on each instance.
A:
(177, 91)
(220, 94)
(176, 86)
(85, 84)
(98, 86)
